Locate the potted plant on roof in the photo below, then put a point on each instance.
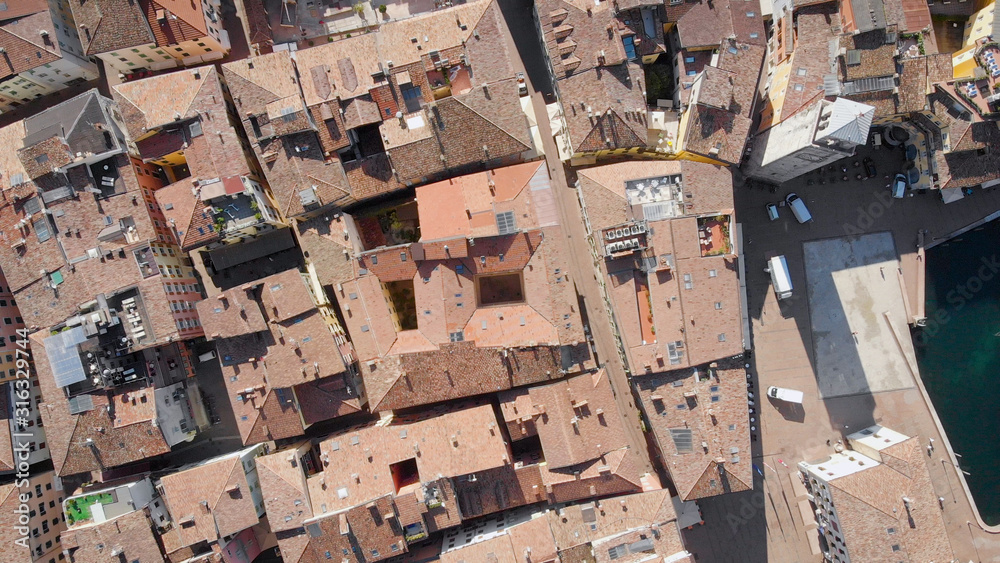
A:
(382, 8)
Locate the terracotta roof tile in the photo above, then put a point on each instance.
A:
(110, 25)
(583, 31)
(877, 57)
(870, 501)
(187, 21)
(427, 377)
(447, 442)
(294, 363)
(722, 133)
(130, 535)
(615, 473)
(211, 500)
(719, 393)
(605, 104)
(286, 496)
(24, 47)
(234, 312)
(577, 419)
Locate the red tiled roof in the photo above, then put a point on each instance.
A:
(210, 501)
(711, 411)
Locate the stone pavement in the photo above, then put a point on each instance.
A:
(784, 344)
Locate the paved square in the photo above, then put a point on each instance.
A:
(856, 349)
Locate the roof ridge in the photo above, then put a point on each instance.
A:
(177, 17)
(863, 499)
(25, 39)
(490, 121)
(236, 463)
(245, 78)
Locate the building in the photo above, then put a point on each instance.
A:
(664, 233)
(876, 502)
(979, 29)
(109, 413)
(180, 124)
(19, 444)
(285, 359)
(702, 428)
(629, 528)
(44, 54)
(64, 246)
(387, 486)
(39, 540)
(130, 536)
(716, 119)
(595, 56)
(413, 460)
(211, 501)
(581, 434)
(100, 503)
(12, 322)
(960, 143)
(284, 134)
(128, 35)
(819, 135)
(406, 112)
(470, 275)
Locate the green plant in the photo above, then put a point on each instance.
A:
(348, 36)
(359, 9)
(253, 204)
(258, 216)
(329, 39)
(382, 8)
(310, 42)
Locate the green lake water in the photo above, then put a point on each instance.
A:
(959, 355)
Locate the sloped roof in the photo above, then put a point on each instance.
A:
(24, 48)
(131, 535)
(681, 421)
(870, 501)
(577, 419)
(110, 25)
(850, 121)
(210, 501)
(159, 100)
(605, 108)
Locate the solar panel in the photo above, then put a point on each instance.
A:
(505, 223)
(81, 403)
(41, 226)
(64, 358)
(682, 439)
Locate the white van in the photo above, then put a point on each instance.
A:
(787, 395)
(799, 209)
(780, 279)
(207, 356)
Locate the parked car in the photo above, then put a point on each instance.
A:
(787, 395)
(522, 86)
(772, 211)
(899, 186)
(870, 167)
(799, 208)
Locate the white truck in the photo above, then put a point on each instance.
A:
(787, 395)
(780, 279)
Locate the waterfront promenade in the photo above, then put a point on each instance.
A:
(785, 346)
